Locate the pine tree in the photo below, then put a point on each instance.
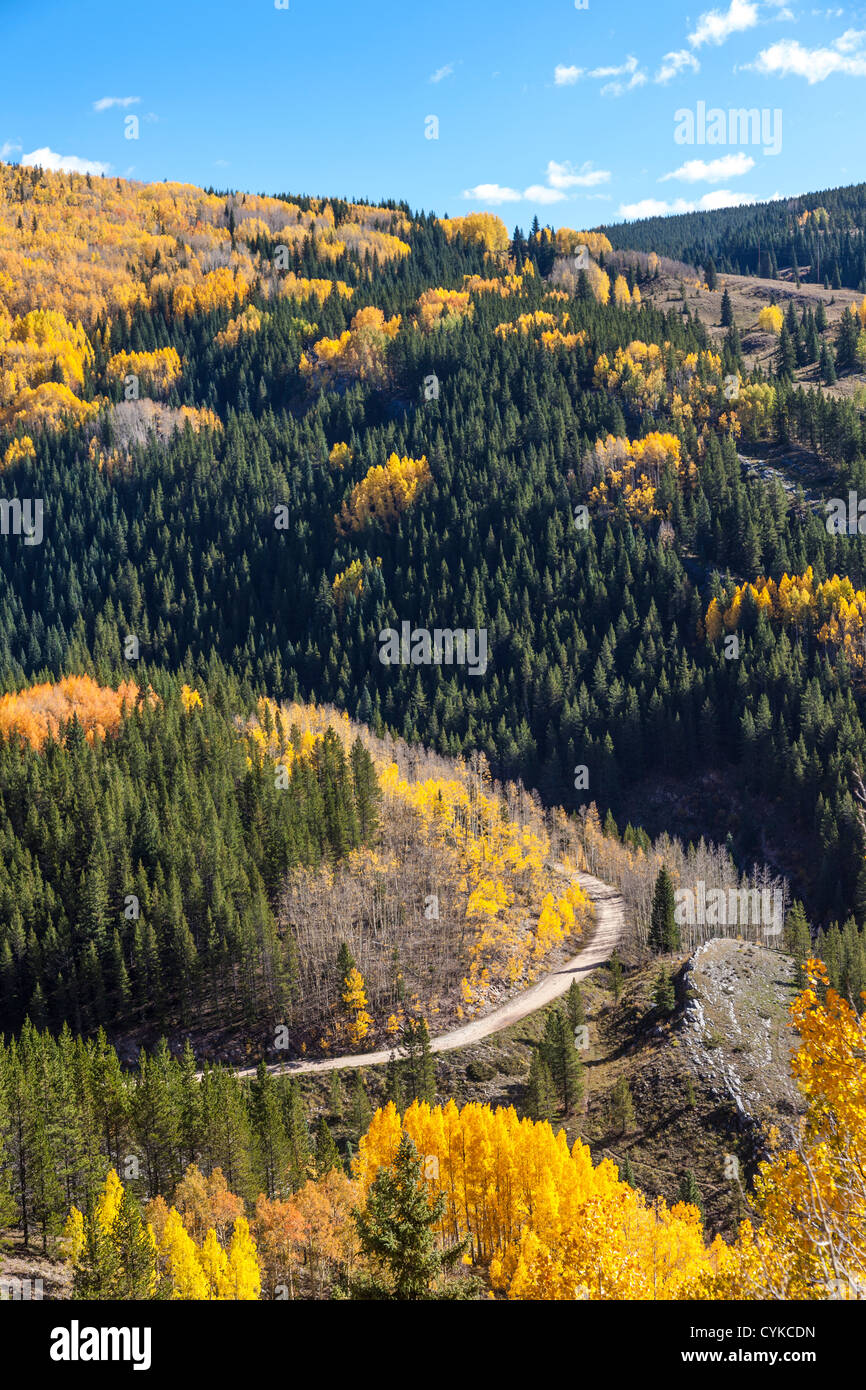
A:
(419, 1067)
(361, 1110)
(664, 933)
(726, 317)
(615, 971)
(798, 939)
(394, 1088)
(622, 1107)
(327, 1153)
(574, 1006)
(335, 1095)
(690, 1192)
(397, 1233)
(541, 1095)
(664, 993)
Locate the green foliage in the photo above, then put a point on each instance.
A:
(664, 933)
(396, 1232)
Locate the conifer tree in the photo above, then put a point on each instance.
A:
(396, 1229)
(327, 1153)
(664, 994)
(664, 933)
(690, 1192)
(541, 1097)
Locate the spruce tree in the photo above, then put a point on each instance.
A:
(664, 933)
(327, 1153)
(541, 1097)
(690, 1192)
(397, 1233)
(664, 993)
(726, 317)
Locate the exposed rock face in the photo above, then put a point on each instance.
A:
(736, 1030)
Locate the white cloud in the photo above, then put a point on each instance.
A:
(717, 25)
(655, 207)
(788, 58)
(850, 41)
(673, 63)
(492, 193)
(728, 166)
(616, 89)
(630, 69)
(445, 71)
(540, 193)
(65, 163)
(105, 102)
(566, 176)
(8, 147)
(568, 76)
(559, 178)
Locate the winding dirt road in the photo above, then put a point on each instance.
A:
(609, 917)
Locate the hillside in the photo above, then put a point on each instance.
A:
(415, 619)
(819, 233)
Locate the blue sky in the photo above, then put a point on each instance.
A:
(542, 108)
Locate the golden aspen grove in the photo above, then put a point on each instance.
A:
(432, 684)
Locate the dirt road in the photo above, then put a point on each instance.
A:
(609, 917)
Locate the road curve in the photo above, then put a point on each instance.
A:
(610, 919)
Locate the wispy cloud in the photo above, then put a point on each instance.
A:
(566, 176)
(674, 63)
(64, 163)
(727, 166)
(630, 69)
(105, 103)
(442, 72)
(789, 58)
(566, 76)
(715, 26)
(8, 147)
(655, 207)
(543, 193)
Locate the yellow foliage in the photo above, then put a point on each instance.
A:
(340, 455)
(436, 306)
(832, 609)
(298, 287)
(568, 240)
(384, 493)
(250, 321)
(359, 352)
(483, 228)
(39, 710)
(348, 581)
(355, 1003)
(190, 699)
(771, 319)
(21, 448)
(631, 471)
(159, 370)
(621, 292)
(545, 1222)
